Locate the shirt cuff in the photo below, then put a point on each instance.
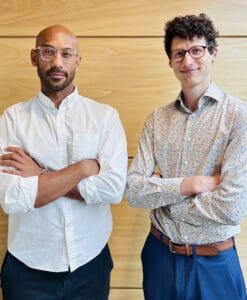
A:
(88, 191)
(19, 194)
(169, 186)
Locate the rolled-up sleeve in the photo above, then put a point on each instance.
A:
(17, 194)
(108, 186)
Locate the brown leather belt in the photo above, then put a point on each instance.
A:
(186, 249)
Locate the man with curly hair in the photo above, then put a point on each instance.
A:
(199, 197)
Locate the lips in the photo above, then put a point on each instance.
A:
(56, 74)
(188, 70)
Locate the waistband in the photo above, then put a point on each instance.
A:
(211, 249)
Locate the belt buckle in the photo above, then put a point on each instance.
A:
(170, 247)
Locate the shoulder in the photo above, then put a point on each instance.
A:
(18, 108)
(95, 109)
(235, 106)
(162, 112)
(234, 111)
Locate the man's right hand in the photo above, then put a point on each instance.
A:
(21, 163)
(91, 167)
(198, 184)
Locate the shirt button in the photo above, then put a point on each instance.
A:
(189, 139)
(185, 162)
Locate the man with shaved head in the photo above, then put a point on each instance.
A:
(63, 162)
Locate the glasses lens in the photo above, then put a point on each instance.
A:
(197, 51)
(178, 55)
(68, 53)
(47, 53)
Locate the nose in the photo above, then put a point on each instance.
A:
(57, 60)
(187, 60)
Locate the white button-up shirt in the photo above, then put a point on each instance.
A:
(66, 233)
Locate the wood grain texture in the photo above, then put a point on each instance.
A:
(126, 294)
(115, 17)
(3, 234)
(125, 66)
(131, 226)
(132, 75)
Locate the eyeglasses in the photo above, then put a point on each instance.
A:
(196, 52)
(49, 53)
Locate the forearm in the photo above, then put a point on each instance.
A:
(211, 208)
(152, 192)
(57, 184)
(225, 205)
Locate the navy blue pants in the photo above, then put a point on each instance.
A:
(168, 276)
(89, 282)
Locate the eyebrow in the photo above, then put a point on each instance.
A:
(190, 47)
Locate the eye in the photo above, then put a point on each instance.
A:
(196, 50)
(178, 54)
(48, 51)
(68, 53)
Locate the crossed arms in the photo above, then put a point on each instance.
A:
(50, 185)
(197, 200)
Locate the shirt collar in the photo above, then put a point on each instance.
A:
(212, 93)
(66, 104)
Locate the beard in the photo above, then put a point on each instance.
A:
(52, 85)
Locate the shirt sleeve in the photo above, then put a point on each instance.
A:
(142, 189)
(108, 186)
(17, 194)
(228, 203)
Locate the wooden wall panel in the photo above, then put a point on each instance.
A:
(130, 229)
(115, 17)
(3, 234)
(124, 64)
(130, 74)
(126, 294)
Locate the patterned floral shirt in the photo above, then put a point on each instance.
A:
(182, 143)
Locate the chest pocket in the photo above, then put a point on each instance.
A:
(85, 146)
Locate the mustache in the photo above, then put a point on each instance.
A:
(56, 70)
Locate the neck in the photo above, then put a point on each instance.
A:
(192, 95)
(57, 97)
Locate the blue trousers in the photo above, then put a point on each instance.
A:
(89, 282)
(168, 276)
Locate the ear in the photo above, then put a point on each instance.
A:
(78, 61)
(214, 54)
(34, 58)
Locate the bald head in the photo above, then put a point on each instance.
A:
(55, 33)
(56, 62)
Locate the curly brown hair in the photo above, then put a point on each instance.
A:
(187, 27)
